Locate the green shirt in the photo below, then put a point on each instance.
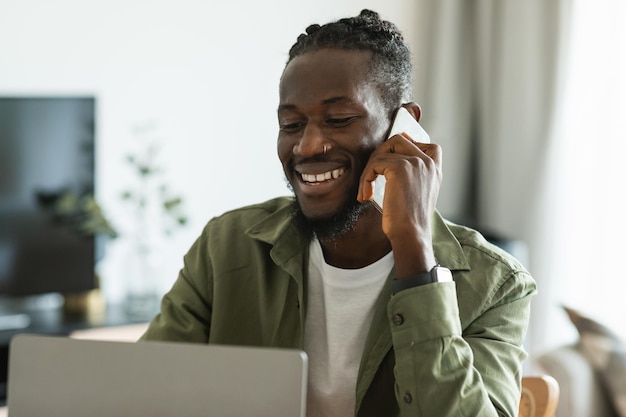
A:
(444, 349)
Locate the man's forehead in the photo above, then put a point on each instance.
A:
(349, 101)
(326, 76)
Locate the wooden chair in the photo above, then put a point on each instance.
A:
(540, 396)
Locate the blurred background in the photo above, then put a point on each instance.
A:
(526, 98)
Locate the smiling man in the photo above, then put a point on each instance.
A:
(401, 313)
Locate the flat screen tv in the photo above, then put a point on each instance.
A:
(46, 150)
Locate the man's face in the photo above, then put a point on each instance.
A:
(326, 100)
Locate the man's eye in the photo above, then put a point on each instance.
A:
(339, 122)
(291, 127)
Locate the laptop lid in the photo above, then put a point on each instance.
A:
(64, 377)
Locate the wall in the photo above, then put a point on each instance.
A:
(203, 74)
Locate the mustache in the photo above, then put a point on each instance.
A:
(313, 159)
(309, 160)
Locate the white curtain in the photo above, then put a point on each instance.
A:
(488, 77)
(591, 142)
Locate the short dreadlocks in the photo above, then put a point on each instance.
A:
(390, 66)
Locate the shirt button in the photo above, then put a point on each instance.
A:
(408, 398)
(398, 319)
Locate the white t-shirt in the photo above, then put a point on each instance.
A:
(340, 307)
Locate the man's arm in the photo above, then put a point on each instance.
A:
(413, 173)
(445, 370)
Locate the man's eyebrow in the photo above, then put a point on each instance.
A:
(340, 99)
(332, 100)
(286, 107)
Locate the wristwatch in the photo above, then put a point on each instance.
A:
(437, 274)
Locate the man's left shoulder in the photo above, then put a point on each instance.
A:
(480, 247)
(491, 271)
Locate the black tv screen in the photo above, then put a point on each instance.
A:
(46, 151)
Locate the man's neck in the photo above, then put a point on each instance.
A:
(361, 246)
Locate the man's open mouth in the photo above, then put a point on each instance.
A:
(324, 176)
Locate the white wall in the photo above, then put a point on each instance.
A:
(205, 72)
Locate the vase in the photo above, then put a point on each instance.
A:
(142, 283)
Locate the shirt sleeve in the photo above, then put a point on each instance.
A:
(443, 369)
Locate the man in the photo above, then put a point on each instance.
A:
(367, 295)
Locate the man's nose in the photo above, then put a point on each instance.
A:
(311, 141)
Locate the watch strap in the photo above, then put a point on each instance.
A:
(400, 284)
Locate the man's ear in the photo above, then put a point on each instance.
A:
(414, 109)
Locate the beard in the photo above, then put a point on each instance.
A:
(331, 228)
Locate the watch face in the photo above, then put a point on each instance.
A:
(442, 274)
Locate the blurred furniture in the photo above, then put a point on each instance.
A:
(581, 393)
(591, 372)
(540, 396)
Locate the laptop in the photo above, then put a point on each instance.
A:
(64, 377)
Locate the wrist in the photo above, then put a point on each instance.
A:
(436, 274)
(413, 256)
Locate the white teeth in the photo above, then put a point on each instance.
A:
(325, 176)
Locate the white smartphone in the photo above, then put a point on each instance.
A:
(403, 122)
